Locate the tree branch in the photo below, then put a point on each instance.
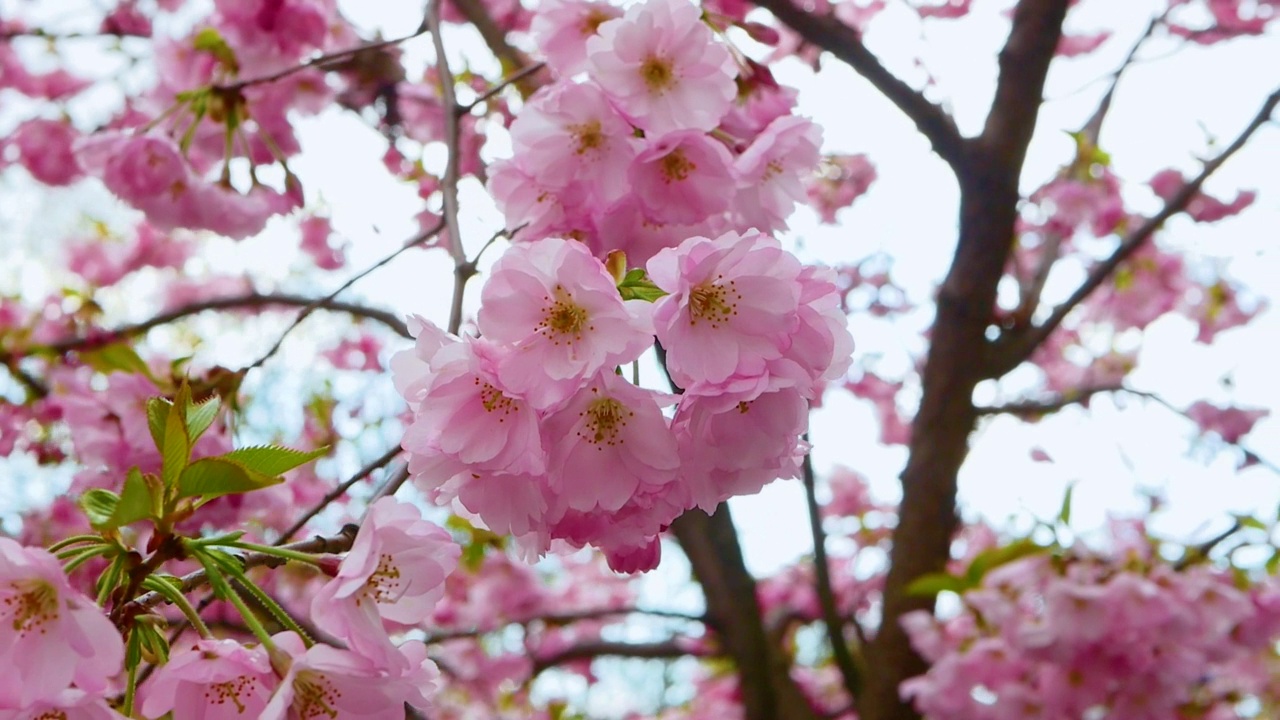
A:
(338, 492)
(559, 619)
(850, 673)
(495, 37)
(1037, 408)
(845, 43)
(957, 360)
(1013, 350)
(711, 544)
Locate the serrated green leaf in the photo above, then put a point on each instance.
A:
(995, 557)
(99, 505)
(201, 416)
(216, 476)
(1064, 513)
(136, 501)
(157, 414)
(271, 459)
(176, 450)
(933, 583)
(116, 357)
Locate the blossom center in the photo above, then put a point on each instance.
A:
(676, 167)
(606, 418)
(229, 691)
(658, 74)
(384, 584)
(588, 135)
(51, 715)
(493, 400)
(314, 696)
(713, 303)
(562, 318)
(33, 604)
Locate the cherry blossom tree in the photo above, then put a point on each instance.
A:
(222, 507)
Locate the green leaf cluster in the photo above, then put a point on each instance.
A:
(636, 285)
(183, 485)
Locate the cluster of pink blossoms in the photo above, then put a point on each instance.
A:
(1043, 638)
(65, 655)
(531, 426)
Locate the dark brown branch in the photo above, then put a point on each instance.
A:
(232, 302)
(956, 360)
(1037, 408)
(845, 43)
(711, 544)
(1016, 348)
(850, 673)
(514, 78)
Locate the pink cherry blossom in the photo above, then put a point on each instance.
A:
(739, 450)
(608, 441)
(1230, 423)
(570, 134)
(326, 681)
(681, 178)
(560, 311)
(770, 171)
(468, 418)
(534, 210)
(663, 67)
(213, 680)
(732, 304)
(561, 29)
(316, 234)
(50, 635)
(1202, 207)
(395, 571)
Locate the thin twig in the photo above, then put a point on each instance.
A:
(558, 619)
(337, 492)
(1011, 350)
(449, 184)
(307, 310)
(501, 85)
(1036, 408)
(319, 61)
(850, 673)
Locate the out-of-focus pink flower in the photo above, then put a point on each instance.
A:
(50, 635)
(316, 233)
(1230, 423)
(45, 150)
(1075, 45)
(70, 704)
(1202, 208)
(663, 67)
(395, 571)
(770, 172)
(214, 680)
(840, 180)
(561, 29)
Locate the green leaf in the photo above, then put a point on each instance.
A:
(176, 450)
(1249, 521)
(116, 357)
(99, 505)
(636, 285)
(995, 557)
(136, 500)
(1064, 514)
(201, 416)
(931, 584)
(216, 476)
(157, 414)
(272, 460)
